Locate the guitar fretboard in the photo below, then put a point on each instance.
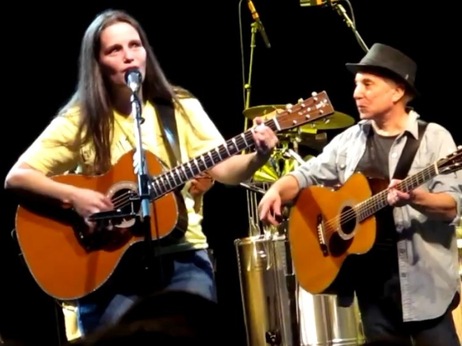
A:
(169, 181)
(372, 205)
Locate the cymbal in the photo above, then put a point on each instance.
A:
(335, 121)
(266, 111)
(276, 167)
(315, 141)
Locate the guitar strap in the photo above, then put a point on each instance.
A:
(407, 156)
(167, 122)
(166, 114)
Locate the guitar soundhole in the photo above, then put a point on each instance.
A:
(341, 240)
(127, 206)
(347, 220)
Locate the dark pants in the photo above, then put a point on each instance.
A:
(379, 298)
(382, 322)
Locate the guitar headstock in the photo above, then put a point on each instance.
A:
(311, 109)
(450, 163)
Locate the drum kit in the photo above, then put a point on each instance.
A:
(277, 312)
(297, 145)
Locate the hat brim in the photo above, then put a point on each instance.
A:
(354, 68)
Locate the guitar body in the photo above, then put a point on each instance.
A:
(325, 226)
(66, 262)
(324, 230)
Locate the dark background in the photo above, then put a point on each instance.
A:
(199, 46)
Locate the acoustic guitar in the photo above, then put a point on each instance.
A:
(327, 225)
(68, 262)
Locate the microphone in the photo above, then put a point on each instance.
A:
(256, 18)
(133, 79)
(318, 2)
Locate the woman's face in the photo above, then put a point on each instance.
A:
(121, 49)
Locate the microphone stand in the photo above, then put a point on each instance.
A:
(342, 12)
(144, 180)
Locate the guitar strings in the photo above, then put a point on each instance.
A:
(331, 225)
(121, 200)
(124, 199)
(216, 155)
(376, 202)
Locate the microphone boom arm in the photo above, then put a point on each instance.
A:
(258, 22)
(343, 13)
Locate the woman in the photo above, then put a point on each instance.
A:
(95, 129)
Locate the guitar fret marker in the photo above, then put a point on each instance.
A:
(234, 143)
(210, 156)
(172, 176)
(188, 164)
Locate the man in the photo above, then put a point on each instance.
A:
(407, 284)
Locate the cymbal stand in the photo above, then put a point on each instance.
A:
(252, 211)
(350, 23)
(252, 202)
(248, 84)
(290, 153)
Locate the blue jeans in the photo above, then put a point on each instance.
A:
(190, 271)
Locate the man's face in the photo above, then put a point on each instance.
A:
(375, 95)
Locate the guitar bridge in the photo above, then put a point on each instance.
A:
(108, 231)
(321, 237)
(111, 215)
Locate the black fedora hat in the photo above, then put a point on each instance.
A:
(390, 62)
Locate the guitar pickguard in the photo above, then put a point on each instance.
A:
(112, 228)
(124, 196)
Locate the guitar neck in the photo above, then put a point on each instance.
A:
(316, 107)
(379, 201)
(174, 178)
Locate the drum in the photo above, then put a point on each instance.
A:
(323, 322)
(267, 287)
(277, 311)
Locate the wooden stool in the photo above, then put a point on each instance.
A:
(71, 325)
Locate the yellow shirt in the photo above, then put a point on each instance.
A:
(53, 153)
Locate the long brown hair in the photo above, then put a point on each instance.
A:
(92, 96)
